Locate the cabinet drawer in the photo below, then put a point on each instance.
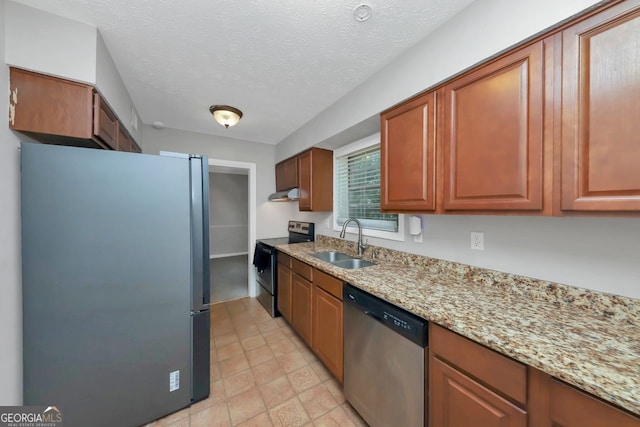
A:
(329, 283)
(302, 269)
(284, 259)
(570, 407)
(489, 367)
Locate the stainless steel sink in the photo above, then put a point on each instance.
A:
(332, 256)
(342, 260)
(353, 263)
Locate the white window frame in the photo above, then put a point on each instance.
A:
(344, 151)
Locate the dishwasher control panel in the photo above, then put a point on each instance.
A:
(400, 320)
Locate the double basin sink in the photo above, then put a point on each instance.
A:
(342, 260)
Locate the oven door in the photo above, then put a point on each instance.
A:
(266, 269)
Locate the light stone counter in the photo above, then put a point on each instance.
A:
(586, 338)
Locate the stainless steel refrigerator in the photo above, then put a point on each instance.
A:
(115, 270)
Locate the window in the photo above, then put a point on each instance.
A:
(357, 190)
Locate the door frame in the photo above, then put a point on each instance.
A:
(252, 286)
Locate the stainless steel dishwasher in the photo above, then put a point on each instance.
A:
(384, 361)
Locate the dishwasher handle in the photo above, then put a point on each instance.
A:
(372, 314)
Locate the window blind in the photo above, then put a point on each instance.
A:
(358, 190)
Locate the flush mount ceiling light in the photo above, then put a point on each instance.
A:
(362, 13)
(226, 115)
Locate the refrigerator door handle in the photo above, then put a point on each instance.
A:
(200, 270)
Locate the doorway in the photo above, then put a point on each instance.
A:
(231, 229)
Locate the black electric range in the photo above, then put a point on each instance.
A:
(266, 262)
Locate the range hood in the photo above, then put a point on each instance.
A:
(285, 196)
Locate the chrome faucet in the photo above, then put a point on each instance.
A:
(361, 246)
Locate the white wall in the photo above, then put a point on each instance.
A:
(595, 253)
(477, 32)
(111, 86)
(51, 44)
(10, 260)
(271, 217)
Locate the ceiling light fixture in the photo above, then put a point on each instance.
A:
(362, 13)
(226, 115)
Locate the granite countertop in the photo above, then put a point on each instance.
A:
(588, 339)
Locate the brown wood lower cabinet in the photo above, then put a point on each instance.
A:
(472, 385)
(311, 301)
(327, 322)
(457, 401)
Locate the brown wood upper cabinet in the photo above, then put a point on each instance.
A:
(600, 154)
(312, 172)
(493, 135)
(58, 111)
(315, 180)
(408, 156)
(287, 174)
(548, 128)
(105, 123)
(50, 108)
(124, 140)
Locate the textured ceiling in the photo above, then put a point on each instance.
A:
(280, 61)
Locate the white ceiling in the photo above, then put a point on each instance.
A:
(280, 61)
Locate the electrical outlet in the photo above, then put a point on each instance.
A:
(327, 222)
(477, 240)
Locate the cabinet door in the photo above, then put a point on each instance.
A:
(124, 141)
(327, 330)
(287, 174)
(105, 124)
(304, 180)
(569, 407)
(407, 156)
(284, 292)
(456, 400)
(301, 292)
(600, 110)
(493, 135)
(47, 105)
(315, 180)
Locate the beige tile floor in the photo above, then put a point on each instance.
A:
(263, 374)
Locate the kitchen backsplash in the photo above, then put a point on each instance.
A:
(561, 295)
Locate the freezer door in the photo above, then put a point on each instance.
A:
(200, 368)
(200, 277)
(106, 284)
